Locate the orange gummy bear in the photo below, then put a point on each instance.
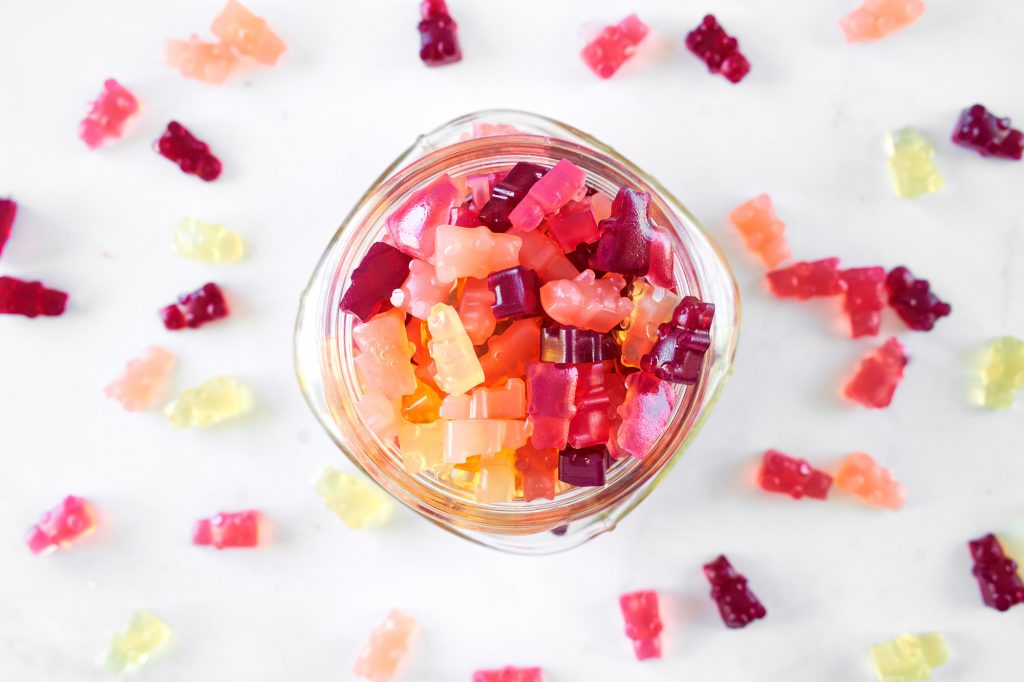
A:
(247, 33)
(384, 356)
(862, 476)
(475, 310)
(422, 405)
(876, 19)
(761, 229)
(508, 353)
(207, 62)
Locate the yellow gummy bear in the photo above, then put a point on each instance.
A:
(207, 242)
(210, 403)
(356, 502)
(133, 646)
(909, 657)
(458, 368)
(912, 164)
(1002, 373)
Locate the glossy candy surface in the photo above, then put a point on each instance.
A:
(718, 50)
(8, 211)
(643, 623)
(678, 354)
(1002, 372)
(382, 415)
(566, 344)
(804, 280)
(133, 646)
(587, 302)
(908, 658)
(645, 412)
(614, 46)
(631, 244)
(516, 293)
(583, 466)
(497, 482)
(389, 642)
(781, 473)
(574, 224)
(473, 252)
(382, 270)
(208, 242)
(762, 230)
(458, 368)
(195, 309)
(736, 603)
(652, 307)
(475, 310)
(506, 401)
(540, 254)
(143, 380)
(358, 503)
(421, 445)
(30, 299)
(592, 421)
(421, 290)
(439, 39)
(913, 300)
(199, 60)
(508, 353)
(997, 574)
(860, 475)
(106, 119)
(550, 402)
(987, 134)
(565, 182)
(411, 226)
(911, 164)
(384, 360)
(876, 19)
(507, 194)
(192, 155)
(248, 34)
(878, 375)
(228, 529)
(865, 298)
(539, 469)
(210, 403)
(57, 528)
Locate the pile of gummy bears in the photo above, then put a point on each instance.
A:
(587, 347)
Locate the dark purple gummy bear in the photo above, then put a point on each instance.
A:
(516, 293)
(18, 297)
(987, 134)
(583, 466)
(913, 300)
(439, 42)
(507, 194)
(382, 270)
(580, 258)
(737, 604)
(192, 155)
(717, 49)
(678, 354)
(630, 243)
(8, 209)
(203, 305)
(1000, 584)
(564, 344)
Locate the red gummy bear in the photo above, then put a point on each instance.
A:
(439, 41)
(865, 298)
(996, 573)
(550, 402)
(18, 297)
(631, 244)
(717, 49)
(613, 46)
(988, 135)
(382, 270)
(203, 305)
(736, 603)
(913, 300)
(781, 473)
(591, 424)
(192, 155)
(678, 354)
(8, 210)
(539, 468)
(807, 280)
(878, 375)
(228, 529)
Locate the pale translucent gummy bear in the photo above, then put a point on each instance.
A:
(210, 403)
(208, 242)
(909, 657)
(473, 252)
(381, 657)
(133, 646)
(358, 503)
(143, 379)
(458, 367)
(912, 164)
(207, 62)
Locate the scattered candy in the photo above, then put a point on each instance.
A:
(516, 293)
(509, 674)
(210, 403)
(473, 252)
(592, 423)
(717, 49)
(357, 503)
(509, 353)
(202, 61)
(31, 299)
(678, 354)
(583, 466)
(988, 135)
(106, 118)
(571, 345)
(645, 411)
(762, 230)
(909, 657)
(574, 224)
(565, 182)
(382, 270)
(195, 309)
(586, 301)
(143, 380)
(913, 300)
(439, 39)
(803, 280)
(736, 603)
(643, 623)
(228, 529)
(411, 226)
(865, 298)
(876, 19)
(384, 361)
(781, 473)
(614, 46)
(631, 244)
(550, 402)
(133, 646)
(207, 242)
(912, 164)
(458, 368)
(540, 254)
(507, 194)
(1002, 373)
(878, 375)
(859, 474)
(247, 33)
(380, 658)
(192, 155)
(539, 469)
(1000, 583)
(59, 527)
(475, 310)
(8, 211)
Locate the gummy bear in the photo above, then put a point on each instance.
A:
(631, 244)
(357, 503)
(18, 297)
(565, 182)
(614, 46)
(643, 623)
(540, 254)
(988, 135)
(803, 280)
(859, 474)
(509, 674)
(586, 301)
(878, 375)
(876, 19)
(228, 529)
(497, 479)
(912, 164)
(762, 230)
(382, 270)
(465, 438)
(412, 224)
(539, 468)
(583, 466)
(645, 412)
(133, 646)
(419, 336)
(422, 405)
(865, 298)
(516, 293)
(480, 186)
(421, 445)
(202, 61)
(678, 354)
(508, 353)
(380, 658)
(192, 155)
(652, 307)
(507, 194)
(565, 344)
(421, 290)
(909, 657)
(736, 603)
(781, 473)
(70, 520)
(473, 252)
(913, 300)
(239, 28)
(550, 402)
(475, 310)
(207, 242)
(384, 361)
(591, 423)
(1000, 583)
(210, 403)
(195, 309)
(574, 224)
(381, 414)
(458, 368)
(107, 116)
(143, 380)
(439, 38)
(507, 401)
(8, 211)
(1002, 372)
(718, 50)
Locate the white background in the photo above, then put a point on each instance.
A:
(300, 143)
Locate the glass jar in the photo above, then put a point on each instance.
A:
(481, 143)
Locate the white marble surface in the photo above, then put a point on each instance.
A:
(300, 143)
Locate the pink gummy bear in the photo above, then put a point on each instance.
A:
(865, 298)
(878, 375)
(613, 46)
(228, 529)
(68, 521)
(507, 401)
(565, 182)
(645, 413)
(643, 623)
(550, 402)
(389, 642)
(762, 230)
(587, 302)
(411, 226)
(421, 290)
(590, 426)
(807, 280)
(509, 674)
(508, 353)
(473, 252)
(541, 254)
(8, 210)
(859, 474)
(383, 362)
(876, 19)
(207, 62)
(574, 224)
(475, 310)
(239, 28)
(108, 114)
(143, 380)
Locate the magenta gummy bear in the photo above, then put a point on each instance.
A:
(439, 40)
(58, 527)
(645, 413)
(631, 244)
(516, 293)
(507, 194)
(913, 300)
(203, 305)
(509, 674)
(413, 224)
(643, 623)
(31, 299)
(550, 402)
(565, 344)
(736, 603)
(592, 422)
(192, 155)
(1000, 584)
(683, 341)
(107, 114)
(717, 49)
(565, 182)
(583, 466)
(987, 134)
(613, 46)
(382, 270)
(8, 210)
(865, 298)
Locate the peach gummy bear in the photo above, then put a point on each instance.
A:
(143, 380)
(565, 182)
(250, 35)
(382, 415)
(421, 290)
(652, 306)
(384, 355)
(862, 476)
(508, 353)
(389, 642)
(473, 252)
(541, 254)
(421, 445)
(507, 401)
(207, 62)
(497, 478)
(587, 302)
(464, 438)
(761, 229)
(458, 368)
(876, 19)
(475, 310)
